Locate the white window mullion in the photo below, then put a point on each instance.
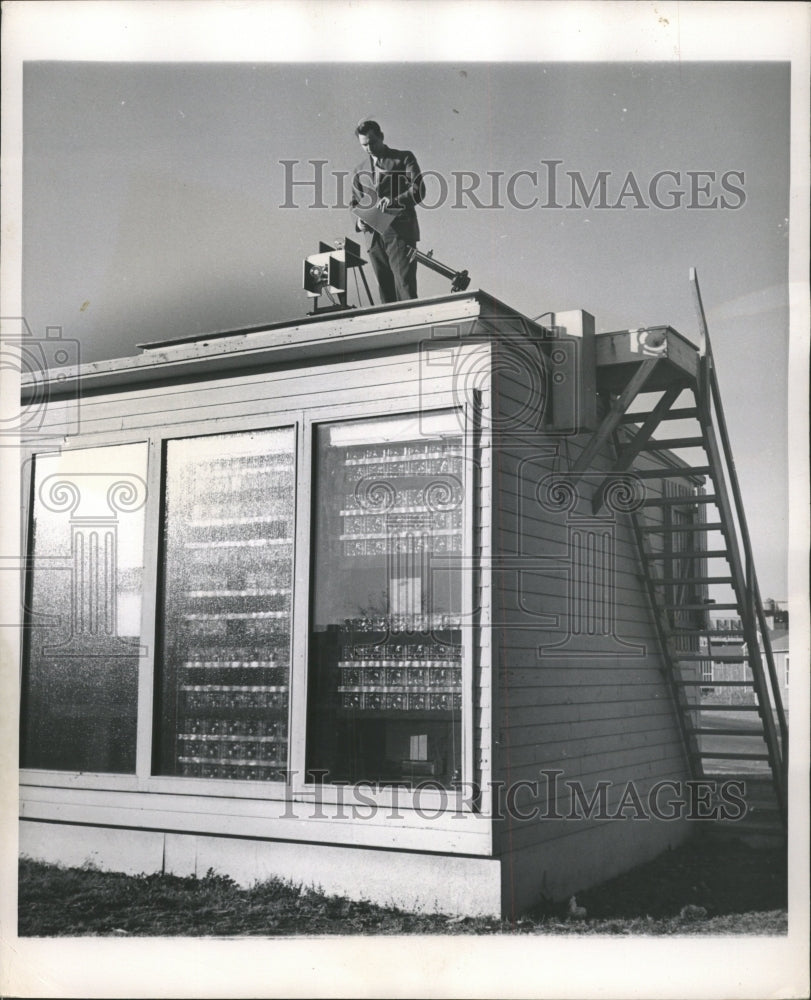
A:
(146, 665)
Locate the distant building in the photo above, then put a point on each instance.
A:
(780, 648)
(718, 671)
(723, 664)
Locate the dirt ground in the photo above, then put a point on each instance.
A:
(722, 876)
(705, 887)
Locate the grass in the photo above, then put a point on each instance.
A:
(729, 889)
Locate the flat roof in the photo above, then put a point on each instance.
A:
(329, 333)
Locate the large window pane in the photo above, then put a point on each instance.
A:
(385, 662)
(83, 628)
(228, 556)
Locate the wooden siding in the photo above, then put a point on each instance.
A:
(389, 378)
(219, 812)
(595, 707)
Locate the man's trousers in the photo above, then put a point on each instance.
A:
(396, 274)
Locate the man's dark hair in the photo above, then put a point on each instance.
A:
(367, 126)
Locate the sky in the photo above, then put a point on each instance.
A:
(157, 204)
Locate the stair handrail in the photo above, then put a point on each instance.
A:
(753, 598)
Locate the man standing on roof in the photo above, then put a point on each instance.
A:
(388, 180)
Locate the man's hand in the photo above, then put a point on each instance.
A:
(383, 204)
(362, 227)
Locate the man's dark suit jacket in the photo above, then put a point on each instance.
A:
(400, 181)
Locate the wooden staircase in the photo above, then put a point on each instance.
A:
(695, 557)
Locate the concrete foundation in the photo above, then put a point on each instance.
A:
(414, 881)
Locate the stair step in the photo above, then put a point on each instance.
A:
(727, 732)
(718, 632)
(699, 607)
(685, 413)
(668, 444)
(715, 657)
(715, 684)
(673, 470)
(690, 501)
(697, 554)
(706, 755)
(722, 708)
(667, 580)
(663, 529)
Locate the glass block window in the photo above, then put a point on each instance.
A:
(224, 662)
(385, 651)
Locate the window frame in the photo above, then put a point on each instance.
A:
(82, 442)
(303, 422)
(384, 797)
(154, 723)
(144, 779)
(44, 448)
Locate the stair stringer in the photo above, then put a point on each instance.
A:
(745, 605)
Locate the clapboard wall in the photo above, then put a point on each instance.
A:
(589, 707)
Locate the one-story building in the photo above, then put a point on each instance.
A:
(383, 600)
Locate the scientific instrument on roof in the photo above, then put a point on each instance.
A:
(328, 270)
